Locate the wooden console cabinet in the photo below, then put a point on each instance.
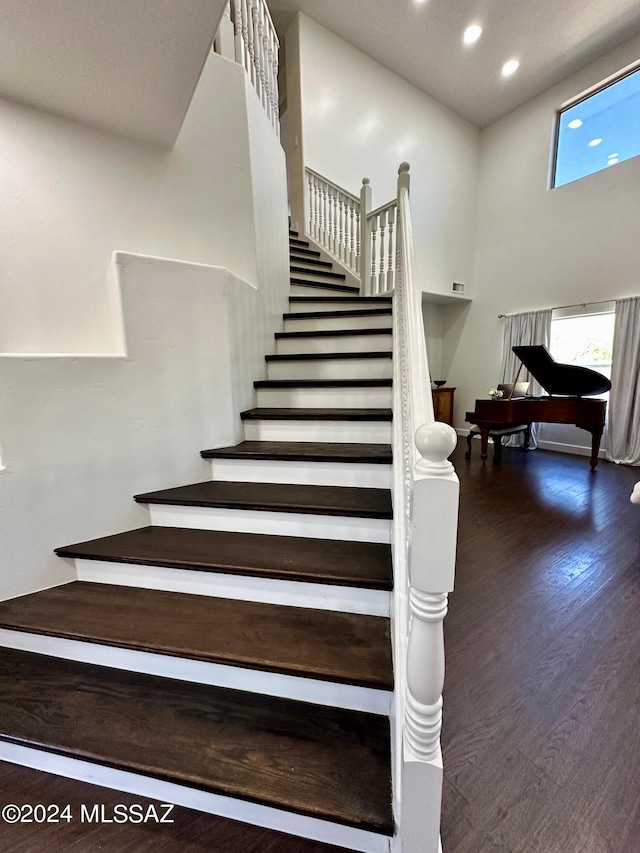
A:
(443, 404)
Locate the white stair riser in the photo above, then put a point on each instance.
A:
(275, 523)
(359, 474)
(192, 798)
(360, 432)
(335, 305)
(348, 343)
(324, 398)
(331, 368)
(202, 672)
(337, 324)
(317, 290)
(288, 593)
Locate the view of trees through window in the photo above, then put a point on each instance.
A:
(586, 340)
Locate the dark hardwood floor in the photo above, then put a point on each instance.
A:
(541, 739)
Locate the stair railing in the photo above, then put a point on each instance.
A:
(333, 219)
(247, 36)
(362, 239)
(425, 497)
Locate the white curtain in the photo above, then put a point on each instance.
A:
(527, 329)
(623, 431)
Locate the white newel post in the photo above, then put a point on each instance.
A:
(365, 237)
(225, 37)
(434, 524)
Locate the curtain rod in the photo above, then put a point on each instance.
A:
(560, 307)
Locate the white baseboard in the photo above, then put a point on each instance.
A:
(575, 449)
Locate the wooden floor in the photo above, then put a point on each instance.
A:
(542, 701)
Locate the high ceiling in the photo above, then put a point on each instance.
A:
(422, 42)
(129, 66)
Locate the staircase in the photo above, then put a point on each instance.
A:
(235, 656)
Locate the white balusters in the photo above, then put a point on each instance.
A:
(333, 218)
(223, 42)
(381, 224)
(364, 235)
(373, 279)
(256, 49)
(391, 250)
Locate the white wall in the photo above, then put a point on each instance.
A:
(178, 343)
(433, 318)
(71, 195)
(541, 248)
(81, 435)
(359, 119)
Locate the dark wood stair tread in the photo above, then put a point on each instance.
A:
(293, 233)
(298, 249)
(293, 241)
(309, 271)
(318, 315)
(191, 832)
(349, 299)
(305, 259)
(264, 414)
(294, 558)
(342, 647)
(304, 451)
(324, 356)
(324, 762)
(278, 497)
(323, 383)
(333, 333)
(324, 285)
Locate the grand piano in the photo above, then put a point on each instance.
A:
(567, 385)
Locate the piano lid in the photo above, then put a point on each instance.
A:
(567, 380)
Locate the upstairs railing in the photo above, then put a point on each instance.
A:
(362, 239)
(247, 36)
(334, 219)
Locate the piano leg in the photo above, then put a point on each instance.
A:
(467, 455)
(596, 435)
(484, 444)
(527, 439)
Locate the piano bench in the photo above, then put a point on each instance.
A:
(497, 434)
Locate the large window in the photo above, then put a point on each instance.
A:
(584, 335)
(599, 130)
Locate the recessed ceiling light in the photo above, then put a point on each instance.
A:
(472, 34)
(595, 142)
(577, 122)
(510, 67)
(612, 161)
(615, 154)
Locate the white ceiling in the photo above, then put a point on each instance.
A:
(129, 66)
(423, 43)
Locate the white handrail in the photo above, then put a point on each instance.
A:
(425, 497)
(255, 47)
(425, 492)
